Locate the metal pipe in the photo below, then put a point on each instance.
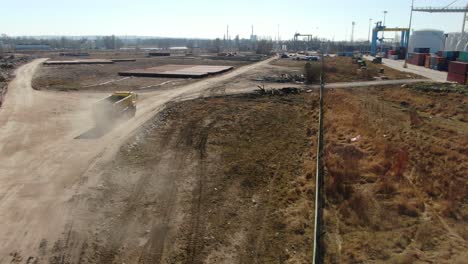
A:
(319, 249)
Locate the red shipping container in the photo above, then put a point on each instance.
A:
(392, 52)
(419, 58)
(458, 67)
(454, 77)
(439, 60)
(427, 61)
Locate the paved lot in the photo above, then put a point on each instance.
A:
(434, 75)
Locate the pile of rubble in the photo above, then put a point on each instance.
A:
(283, 78)
(282, 91)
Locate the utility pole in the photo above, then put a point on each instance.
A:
(405, 64)
(352, 31)
(278, 37)
(383, 32)
(384, 15)
(463, 24)
(227, 37)
(368, 34)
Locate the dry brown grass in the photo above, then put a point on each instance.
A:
(406, 208)
(342, 170)
(410, 160)
(341, 69)
(386, 186)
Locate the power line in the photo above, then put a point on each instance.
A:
(451, 4)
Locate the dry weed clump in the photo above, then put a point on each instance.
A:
(400, 162)
(415, 120)
(406, 208)
(428, 235)
(356, 210)
(385, 186)
(455, 195)
(342, 170)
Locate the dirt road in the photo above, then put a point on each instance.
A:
(43, 167)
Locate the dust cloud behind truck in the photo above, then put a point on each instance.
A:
(117, 105)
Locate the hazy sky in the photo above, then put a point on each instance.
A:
(208, 18)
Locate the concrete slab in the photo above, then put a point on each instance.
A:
(122, 60)
(84, 61)
(178, 71)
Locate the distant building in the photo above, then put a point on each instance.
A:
(427, 38)
(4, 47)
(26, 47)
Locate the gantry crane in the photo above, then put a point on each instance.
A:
(309, 38)
(404, 36)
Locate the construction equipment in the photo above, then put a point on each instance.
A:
(296, 38)
(116, 105)
(405, 33)
(377, 60)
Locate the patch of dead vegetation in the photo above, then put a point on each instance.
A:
(402, 178)
(341, 69)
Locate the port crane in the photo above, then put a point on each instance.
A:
(296, 38)
(379, 27)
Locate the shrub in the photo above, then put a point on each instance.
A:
(312, 72)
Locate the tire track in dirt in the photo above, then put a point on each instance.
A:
(153, 249)
(197, 199)
(258, 247)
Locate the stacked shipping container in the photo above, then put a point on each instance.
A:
(450, 55)
(457, 72)
(463, 56)
(438, 63)
(417, 58)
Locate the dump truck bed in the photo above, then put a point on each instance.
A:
(118, 104)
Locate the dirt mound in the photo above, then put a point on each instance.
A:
(7, 65)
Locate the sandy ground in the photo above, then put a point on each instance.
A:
(64, 200)
(204, 182)
(43, 167)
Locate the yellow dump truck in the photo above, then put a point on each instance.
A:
(115, 106)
